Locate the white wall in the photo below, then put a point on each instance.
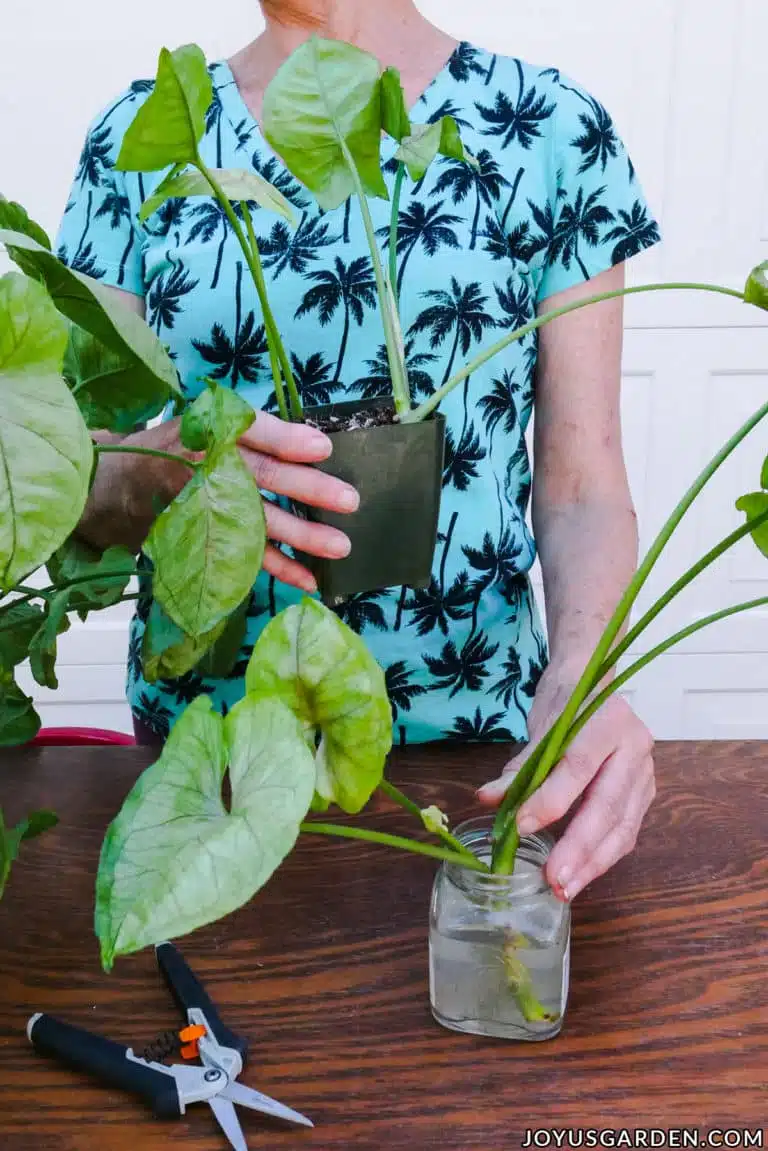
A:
(684, 81)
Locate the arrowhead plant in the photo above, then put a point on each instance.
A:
(313, 729)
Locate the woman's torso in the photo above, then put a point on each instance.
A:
(462, 657)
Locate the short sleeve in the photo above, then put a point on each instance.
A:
(98, 234)
(599, 212)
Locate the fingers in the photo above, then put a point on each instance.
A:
(298, 482)
(288, 571)
(312, 539)
(295, 443)
(491, 794)
(606, 826)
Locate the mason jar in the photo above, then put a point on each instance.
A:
(499, 945)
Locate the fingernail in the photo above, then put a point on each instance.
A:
(339, 547)
(349, 500)
(320, 445)
(562, 881)
(527, 825)
(309, 584)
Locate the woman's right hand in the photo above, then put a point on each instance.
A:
(130, 490)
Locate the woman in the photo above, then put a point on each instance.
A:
(551, 215)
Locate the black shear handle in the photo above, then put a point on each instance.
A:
(105, 1060)
(188, 992)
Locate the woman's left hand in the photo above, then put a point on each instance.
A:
(608, 766)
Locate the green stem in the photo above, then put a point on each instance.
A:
(655, 609)
(253, 262)
(137, 451)
(400, 389)
(393, 228)
(503, 853)
(473, 863)
(47, 592)
(423, 410)
(585, 716)
(277, 354)
(518, 789)
(400, 798)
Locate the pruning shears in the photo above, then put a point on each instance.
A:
(170, 1088)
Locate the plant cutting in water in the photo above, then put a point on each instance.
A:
(314, 727)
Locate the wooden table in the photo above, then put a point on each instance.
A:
(326, 973)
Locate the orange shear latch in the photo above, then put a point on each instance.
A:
(190, 1037)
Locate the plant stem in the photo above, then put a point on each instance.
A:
(655, 609)
(519, 788)
(503, 850)
(640, 663)
(138, 451)
(400, 798)
(254, 266)
(473, 863)
(393, 229)
(270, 326)
(423, 410)
(47, 592)
(400, 389)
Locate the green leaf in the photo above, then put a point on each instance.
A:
(222, 655)
(217, 416)
(394, 111)
(110, 392)
(10, 841)
(756, 290)
(91, 306)
(322, 111)
(18, 626)
(419, 150)
(19, 722)
(764, 475)
(167, 652)
(171, 123)
(77, 559)
(324, 672)
(208, 544)
(42, 650)
(755, 504)
(46, 454)
(237, 185)
(14, 217)
(175, 858)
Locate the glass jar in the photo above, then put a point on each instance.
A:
(499, 945)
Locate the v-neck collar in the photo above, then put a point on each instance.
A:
(239, 114)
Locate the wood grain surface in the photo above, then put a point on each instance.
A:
(326, 973)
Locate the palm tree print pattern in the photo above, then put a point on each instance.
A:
(555, 200)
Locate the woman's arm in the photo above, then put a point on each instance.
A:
(129, 490)
(586, 531)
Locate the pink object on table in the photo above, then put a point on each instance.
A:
(80, 737)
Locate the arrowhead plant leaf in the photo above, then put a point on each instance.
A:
(208, 544)
(171, 123)
(46, 454)
(322, 111)
(324, 672)
(237, 186)
(175, 857)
